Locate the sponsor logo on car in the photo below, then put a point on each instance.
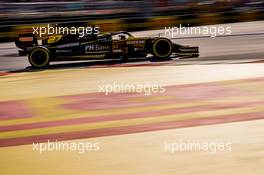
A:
(68, 45)
(134, 42)
(25, 39)
(186, 49)
(96, 47)
(63, 51)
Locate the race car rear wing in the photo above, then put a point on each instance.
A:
(23, 41)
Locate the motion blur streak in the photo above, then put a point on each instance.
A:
(217, 97)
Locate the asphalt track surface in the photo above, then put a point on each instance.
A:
(217, 97)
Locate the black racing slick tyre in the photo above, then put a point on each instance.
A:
(162, 48)
(39, 57)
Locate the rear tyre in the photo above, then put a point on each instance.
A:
(39, 57)
(162, 48)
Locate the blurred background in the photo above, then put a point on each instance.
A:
(113, 15)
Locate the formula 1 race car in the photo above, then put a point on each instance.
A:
(118, 45)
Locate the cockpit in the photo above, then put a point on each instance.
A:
(121, 35)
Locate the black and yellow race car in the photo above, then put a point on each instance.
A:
(118, 45)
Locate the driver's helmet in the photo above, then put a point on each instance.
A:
(122, 37)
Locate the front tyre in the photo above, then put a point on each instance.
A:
(39, 57)
(162, 48)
